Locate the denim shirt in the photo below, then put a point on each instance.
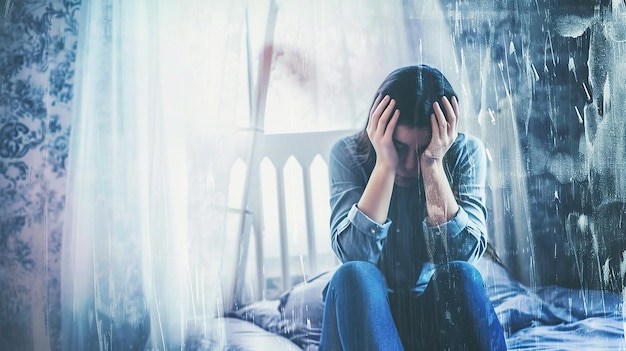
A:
(405, 247)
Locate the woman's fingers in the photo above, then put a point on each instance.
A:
(439, 124)
(381, 114)
(392, 125)
(449, 110)
(383, 122)
(444, 127)
(455, 106)
(378, 108)
(375, 105)
(448, 121)
(451, 116)
(370, 121)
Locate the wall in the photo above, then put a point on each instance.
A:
(550, 75)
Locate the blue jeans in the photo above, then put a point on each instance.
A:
(453, 313)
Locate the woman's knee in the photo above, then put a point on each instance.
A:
(358, 276)
(460, 274)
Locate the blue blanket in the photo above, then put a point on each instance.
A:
(546, 318)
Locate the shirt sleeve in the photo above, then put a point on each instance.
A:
(464, 236)
(354, 236)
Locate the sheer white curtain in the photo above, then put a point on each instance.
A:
(169, 94)
(161, 110)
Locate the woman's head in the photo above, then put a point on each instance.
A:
(415, 89)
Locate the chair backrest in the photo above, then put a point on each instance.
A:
(279, 255)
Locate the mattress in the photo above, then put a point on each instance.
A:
(546, 318)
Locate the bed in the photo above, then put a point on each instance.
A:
(534, 318)
(547, 318)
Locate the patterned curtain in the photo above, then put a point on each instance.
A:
(38, 42)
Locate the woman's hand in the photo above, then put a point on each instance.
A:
(444, 130)
(441, 205)
(374, 201)
(380, 127)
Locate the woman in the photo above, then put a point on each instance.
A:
(408, 221)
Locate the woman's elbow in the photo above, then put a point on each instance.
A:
(479, 249)
(348, 250)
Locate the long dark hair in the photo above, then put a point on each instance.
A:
(415, 89)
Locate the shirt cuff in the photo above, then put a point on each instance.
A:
(452, 227)
(366, 225)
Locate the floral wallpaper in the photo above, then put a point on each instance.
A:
(37, 54)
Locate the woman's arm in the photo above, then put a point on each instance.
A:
(456, 217)
(354, 235)
(374, 201)
(359, 211)
(441, 205)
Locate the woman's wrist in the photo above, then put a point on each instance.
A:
(388, 168)
(428, 161)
